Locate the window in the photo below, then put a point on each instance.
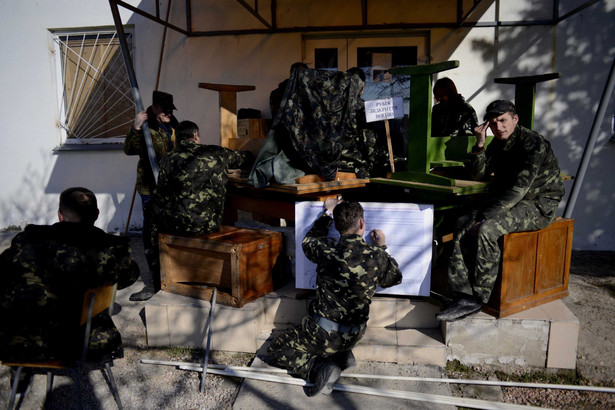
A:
(94, 94)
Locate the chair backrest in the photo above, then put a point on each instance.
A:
(95, 301)
(104, 296)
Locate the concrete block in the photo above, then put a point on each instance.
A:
(382, 312)
(422, 347)
(563, 343)
(157, 328)
(476, 340)
(377, 344)
(181, 321)
(416, 314)
(280, 310)
(236, 330)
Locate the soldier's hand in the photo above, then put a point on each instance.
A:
(480, 133)
(474, 228)
(331, 203)
(139, 120)
(378, 237)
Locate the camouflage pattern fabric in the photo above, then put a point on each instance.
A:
(134, 144)
(298, 347)
(315, 122)
(456, 117)
(189, 198)
(527, 190)
(348, 273)
(44, 275)
(359, 143)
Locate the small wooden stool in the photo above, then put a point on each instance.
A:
(534, 270)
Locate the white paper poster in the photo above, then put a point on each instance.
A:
(408, 229)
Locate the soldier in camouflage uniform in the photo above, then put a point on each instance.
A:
(348, 273)
(452, 115)
(189, 198)
(162, 125)
(44, 275)
(527, 190)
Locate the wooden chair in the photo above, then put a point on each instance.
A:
(95, 301)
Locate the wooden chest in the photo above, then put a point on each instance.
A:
(534, 270)
(238, 262)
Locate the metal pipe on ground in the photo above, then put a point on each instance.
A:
(424, 397)
(197, 367)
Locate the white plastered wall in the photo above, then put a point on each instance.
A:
(581, 48)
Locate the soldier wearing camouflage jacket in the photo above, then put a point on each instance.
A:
(527, 188)
(189, 198)
(44, 275)
(452, 115)
(348, 273)
(161, 124)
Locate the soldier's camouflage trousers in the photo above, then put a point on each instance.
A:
(297, 348)
(475, 260)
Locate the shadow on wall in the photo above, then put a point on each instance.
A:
(584, 57)
(109, 174)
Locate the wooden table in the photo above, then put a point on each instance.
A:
(278, 201)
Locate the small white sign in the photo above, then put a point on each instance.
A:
(386, 109)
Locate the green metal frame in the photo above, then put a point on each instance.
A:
(525, 94)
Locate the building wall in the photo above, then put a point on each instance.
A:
(580, 48)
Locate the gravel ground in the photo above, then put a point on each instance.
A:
(144, 386)
(592, 300)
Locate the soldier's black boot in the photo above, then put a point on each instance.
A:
(459, 309)
(324, 374)
(144, 294)
(345, 360)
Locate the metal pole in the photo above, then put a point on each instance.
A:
(195, 367)
(164, 36)
(209, 329)
(408, 395)
(151, 154)
(591, 142)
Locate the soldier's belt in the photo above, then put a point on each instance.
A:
(331, 326)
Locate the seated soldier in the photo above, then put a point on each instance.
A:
(44, 275)
(348, 273)
(527, 189)
(189, 198)
(452, 115)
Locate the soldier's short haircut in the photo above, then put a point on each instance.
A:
(79, 205)
(346, 215)
(186, 130)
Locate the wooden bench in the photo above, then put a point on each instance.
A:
(534, 270)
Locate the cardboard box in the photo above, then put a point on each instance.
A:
(236, 261)
(534, 270)
(252, 128)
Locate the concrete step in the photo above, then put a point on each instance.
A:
(402, 346)
(286, 306)
(543, 336)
